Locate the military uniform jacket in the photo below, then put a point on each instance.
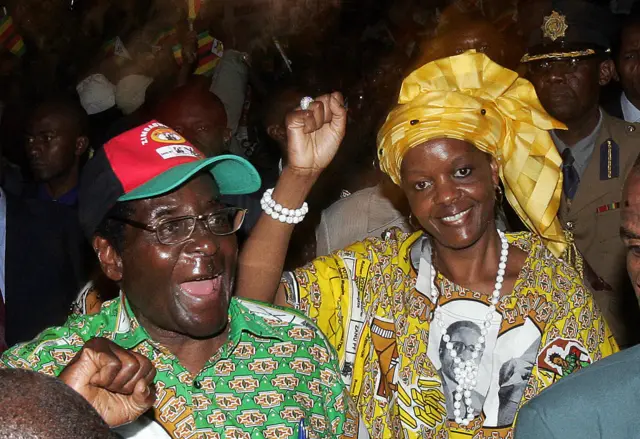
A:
(593, 216)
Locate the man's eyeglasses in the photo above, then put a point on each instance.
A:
(177, 230)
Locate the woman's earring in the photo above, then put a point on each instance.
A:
(499, 195)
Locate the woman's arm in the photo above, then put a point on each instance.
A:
(314, 136)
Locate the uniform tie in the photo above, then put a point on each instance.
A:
(570, 177)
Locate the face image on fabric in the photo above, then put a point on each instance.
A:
(461, 322)
(504, 361)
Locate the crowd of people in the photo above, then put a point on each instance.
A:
(397, 220)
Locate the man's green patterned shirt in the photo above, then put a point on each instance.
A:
(275, 369)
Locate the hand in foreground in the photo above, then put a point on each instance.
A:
(116, 382)
(314, 135)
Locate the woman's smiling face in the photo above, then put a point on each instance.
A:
(450, 185)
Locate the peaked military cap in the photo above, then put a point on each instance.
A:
(571, 29)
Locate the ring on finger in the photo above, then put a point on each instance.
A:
(305, 102)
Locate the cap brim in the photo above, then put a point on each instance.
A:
(233, 175)
(561, 51)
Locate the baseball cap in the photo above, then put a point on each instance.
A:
(148, 161)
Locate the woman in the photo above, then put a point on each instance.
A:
(448, 331)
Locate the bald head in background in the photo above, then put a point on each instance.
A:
(197, 114)
(36, 406)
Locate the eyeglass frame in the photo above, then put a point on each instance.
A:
(201, 217)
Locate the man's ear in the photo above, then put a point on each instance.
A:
(82, 143)
(110, 260)
(607, 72)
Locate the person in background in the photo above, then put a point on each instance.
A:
(366, 213)
(35, 406)
(37, 285)
(601, 401)
(56, 145)
(464, 33)
(150, 205)
(197, 114)
(626, 54)
(568, 63)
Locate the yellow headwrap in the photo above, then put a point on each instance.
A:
(471, 98)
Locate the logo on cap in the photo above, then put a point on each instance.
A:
(173, 151)
(166, 135)
(169, 144)
(554, 26)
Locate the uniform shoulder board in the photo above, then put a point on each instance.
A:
(609, 160)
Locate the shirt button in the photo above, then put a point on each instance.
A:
(571, 225)
(197, 385)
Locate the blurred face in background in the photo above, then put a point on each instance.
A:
(466, 35)
(199, 116)
(628, 62)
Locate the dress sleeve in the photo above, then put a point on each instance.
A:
(329, 290)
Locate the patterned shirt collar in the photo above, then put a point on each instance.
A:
(128, 333)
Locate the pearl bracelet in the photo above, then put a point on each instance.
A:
(280, 213)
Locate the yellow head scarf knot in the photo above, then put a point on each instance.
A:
(471, 98)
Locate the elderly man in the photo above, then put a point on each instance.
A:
(568, 62)
(216, 366)
(600, 401)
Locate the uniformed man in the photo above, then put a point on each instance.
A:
(568, 61)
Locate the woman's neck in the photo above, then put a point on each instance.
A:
(474, 267)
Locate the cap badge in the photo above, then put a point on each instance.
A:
(554, 26)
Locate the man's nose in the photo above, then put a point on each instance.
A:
(203, 241)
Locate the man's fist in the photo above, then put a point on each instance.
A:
(116, 382)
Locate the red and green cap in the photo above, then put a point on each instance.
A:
(149, 161)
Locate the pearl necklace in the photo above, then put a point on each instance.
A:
(466, 373)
